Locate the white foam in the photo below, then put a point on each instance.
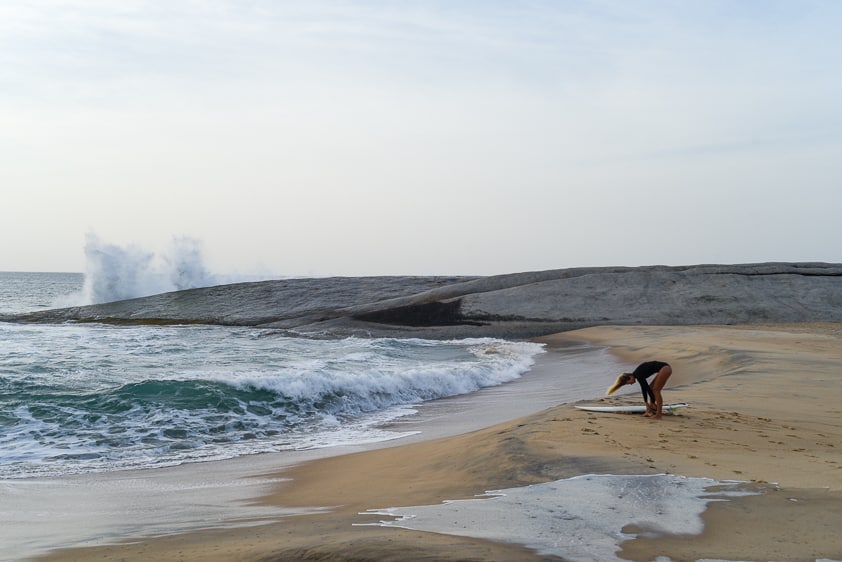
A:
(388, 378)
(577, 519)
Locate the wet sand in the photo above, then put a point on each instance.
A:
(765, 408)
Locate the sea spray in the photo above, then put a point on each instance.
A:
(116, 272)
(185, 265)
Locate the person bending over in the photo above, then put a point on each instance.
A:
(651, 395)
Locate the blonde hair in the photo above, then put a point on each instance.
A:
(622, 380)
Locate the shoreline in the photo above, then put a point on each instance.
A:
(764, 409)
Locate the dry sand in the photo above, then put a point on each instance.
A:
(765, 408)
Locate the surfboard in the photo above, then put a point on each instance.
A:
(629, 409)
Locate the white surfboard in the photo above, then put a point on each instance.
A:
(629, 409)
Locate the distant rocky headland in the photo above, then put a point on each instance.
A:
(516, 305)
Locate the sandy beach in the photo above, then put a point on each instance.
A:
(765, 409)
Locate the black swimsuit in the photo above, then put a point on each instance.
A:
(643, 372)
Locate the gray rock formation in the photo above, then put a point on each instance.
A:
(512, 306)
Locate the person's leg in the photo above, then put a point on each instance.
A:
(657, 385)
(651, 408)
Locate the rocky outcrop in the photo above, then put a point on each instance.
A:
(513, 305)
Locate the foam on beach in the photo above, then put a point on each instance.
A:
(578, 519)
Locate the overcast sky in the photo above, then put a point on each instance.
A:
(422, 137)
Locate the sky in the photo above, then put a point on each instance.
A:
(429, 137)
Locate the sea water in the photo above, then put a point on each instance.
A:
(85, 397)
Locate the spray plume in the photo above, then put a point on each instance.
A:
(124, 272)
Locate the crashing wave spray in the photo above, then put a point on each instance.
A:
(124, 272)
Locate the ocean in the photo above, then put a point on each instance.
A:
(79, 398)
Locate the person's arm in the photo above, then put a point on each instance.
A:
(648, 395)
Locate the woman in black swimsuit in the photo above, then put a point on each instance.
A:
(651, 395)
